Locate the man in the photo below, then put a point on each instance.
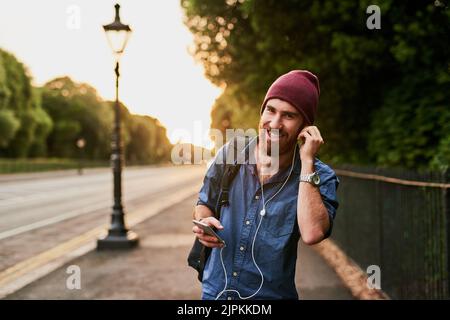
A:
(269, 212)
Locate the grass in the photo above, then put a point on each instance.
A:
(46, 164)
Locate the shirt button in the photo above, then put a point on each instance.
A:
(247, 222)
(257, 197)
(241, 248)
(235, 274)
(230, 298)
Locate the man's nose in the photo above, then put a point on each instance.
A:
(275, 122)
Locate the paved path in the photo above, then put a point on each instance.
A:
(157, 269)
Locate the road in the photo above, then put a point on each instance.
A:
(40, 215)
(31, 204)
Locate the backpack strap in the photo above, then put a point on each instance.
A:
(199, 253)
(229, 174)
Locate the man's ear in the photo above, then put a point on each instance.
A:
(302, 125)
(300, 129)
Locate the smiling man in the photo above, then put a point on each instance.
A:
(269, 210)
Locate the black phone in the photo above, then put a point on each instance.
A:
(208, 230)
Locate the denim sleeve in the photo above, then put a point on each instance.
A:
(209, 192)
(328, 188)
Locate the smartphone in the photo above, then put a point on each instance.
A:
(208, 230)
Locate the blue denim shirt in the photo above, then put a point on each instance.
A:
(275, 248)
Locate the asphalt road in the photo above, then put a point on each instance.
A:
(30, 204)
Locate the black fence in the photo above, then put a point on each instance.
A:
(399, 221)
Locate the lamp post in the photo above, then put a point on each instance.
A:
(81, 143)
(118, 237)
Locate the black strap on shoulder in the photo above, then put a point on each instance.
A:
(199, 253)
(229, 174)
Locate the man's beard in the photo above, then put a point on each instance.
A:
(278, 146)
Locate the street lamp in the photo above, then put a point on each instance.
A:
(81, 143)
(118, 237)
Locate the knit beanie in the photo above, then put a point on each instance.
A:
(301, 89)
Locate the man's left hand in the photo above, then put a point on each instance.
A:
(311, 141)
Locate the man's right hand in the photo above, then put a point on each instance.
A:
(207, 240)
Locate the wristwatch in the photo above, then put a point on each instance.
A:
(312, 178)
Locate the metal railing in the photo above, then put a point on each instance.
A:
(400, 221)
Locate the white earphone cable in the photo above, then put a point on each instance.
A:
(262, 213)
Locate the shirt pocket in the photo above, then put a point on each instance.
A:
(275, 233)
(279, 219)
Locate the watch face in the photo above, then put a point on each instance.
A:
(316, 179)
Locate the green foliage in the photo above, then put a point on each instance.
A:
(412, 125)
(410, 130)
(384, 93)
(225, 113)
(9, 125)
(44, 125)
(77, 112)
(48, 121)
(24, 125)
(148, 141)
(46, 164)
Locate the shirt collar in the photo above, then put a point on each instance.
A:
(280, 176)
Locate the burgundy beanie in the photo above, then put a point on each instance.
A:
(301, 89)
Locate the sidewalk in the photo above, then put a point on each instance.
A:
(157, 269)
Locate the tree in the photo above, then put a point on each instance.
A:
(24, 125)
(49, 120)
(148, 141)
(9, 125)
(400, 71)
(78, 112)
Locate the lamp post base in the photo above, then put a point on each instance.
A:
(116, 242)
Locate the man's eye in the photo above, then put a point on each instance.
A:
(288, 116)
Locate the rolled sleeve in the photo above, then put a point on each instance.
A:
(328, 191)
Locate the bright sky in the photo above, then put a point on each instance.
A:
(158, 76)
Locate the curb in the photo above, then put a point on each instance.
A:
(353, 277)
